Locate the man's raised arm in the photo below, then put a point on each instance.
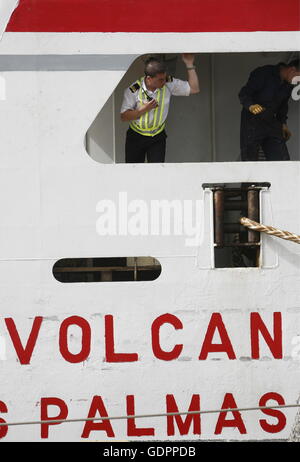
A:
(188, 59)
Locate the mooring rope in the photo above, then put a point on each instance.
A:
(270, 230)
(142, 416)
(295, 432)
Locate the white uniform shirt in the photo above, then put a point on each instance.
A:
(177, 87)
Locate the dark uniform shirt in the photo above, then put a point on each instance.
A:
(266, 88)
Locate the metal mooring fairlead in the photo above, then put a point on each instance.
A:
(227, 201)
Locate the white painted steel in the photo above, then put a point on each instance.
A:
(7, 7)
(49, 189)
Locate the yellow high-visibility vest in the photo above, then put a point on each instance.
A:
(141, 125)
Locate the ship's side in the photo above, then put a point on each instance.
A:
(198, 336)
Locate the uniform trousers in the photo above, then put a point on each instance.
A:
(257, 132)
(137, 147)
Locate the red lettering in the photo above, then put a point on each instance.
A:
(183, 425)
(157, 350)
(280, 425)
(63, 414)
(111, 356)
(275, 344)
(24, 354)
(237, 421)
(216, 322)
(97, 405)
(132, 429)
(85, 341)
(4, 428)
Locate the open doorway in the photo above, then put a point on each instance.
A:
(202, 128)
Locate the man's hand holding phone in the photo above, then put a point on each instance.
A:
(152, 104)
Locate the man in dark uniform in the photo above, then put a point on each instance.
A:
(265, 106)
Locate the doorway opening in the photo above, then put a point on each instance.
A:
(201, 128)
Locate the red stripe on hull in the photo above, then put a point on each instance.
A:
(155, 16)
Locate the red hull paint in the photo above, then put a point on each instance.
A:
(161, 16)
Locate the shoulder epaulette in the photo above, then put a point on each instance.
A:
(169, 78)
(134, 87)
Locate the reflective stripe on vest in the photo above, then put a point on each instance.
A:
(142, 125)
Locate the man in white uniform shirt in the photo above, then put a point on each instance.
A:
(146, 105)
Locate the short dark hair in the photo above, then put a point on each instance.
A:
(154, 66)
(295, 63)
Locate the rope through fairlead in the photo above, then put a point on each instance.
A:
(270, 230)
